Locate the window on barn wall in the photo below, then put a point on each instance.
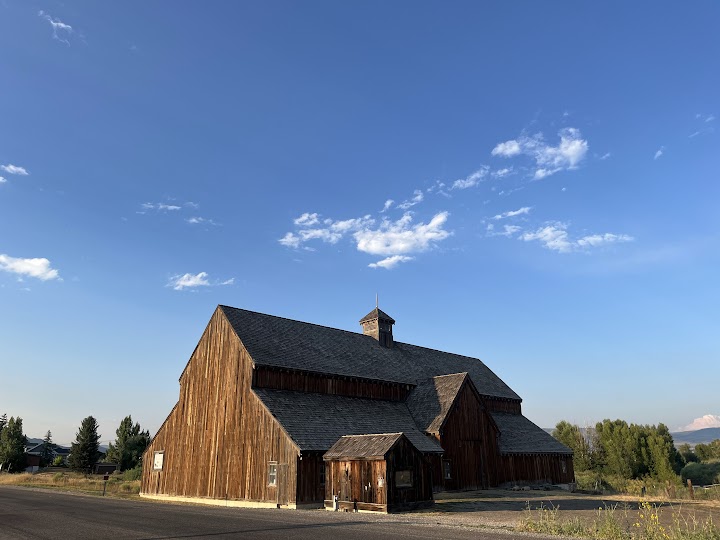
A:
(403, 479)
(322, 474)
(272, 473)
(158, 458)
(447, 474)
(563, 466)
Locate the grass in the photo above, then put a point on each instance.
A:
(70, 481)
(616, 523)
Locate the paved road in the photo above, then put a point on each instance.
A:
(40, 514)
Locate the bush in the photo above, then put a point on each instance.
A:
(59, 461)
(702, 474)
(132, 474)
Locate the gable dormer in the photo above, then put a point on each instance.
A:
(378, 324)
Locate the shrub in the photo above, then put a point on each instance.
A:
(702, 474)
(132, 474)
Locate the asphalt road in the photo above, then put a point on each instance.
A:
(42, 514)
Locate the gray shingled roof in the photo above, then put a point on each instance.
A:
(316, 421)
(518, 435)
(377, 313)
(431, 399)
(285, 343)
(363, 446)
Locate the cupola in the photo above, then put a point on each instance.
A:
(378, 325)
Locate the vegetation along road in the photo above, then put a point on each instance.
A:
(30, 513)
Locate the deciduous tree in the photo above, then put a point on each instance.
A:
(12, 446)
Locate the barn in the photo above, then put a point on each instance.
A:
(275, 412)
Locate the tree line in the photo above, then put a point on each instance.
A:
(614, 450)
(127, 450)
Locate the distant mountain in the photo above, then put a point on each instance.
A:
(698, 436)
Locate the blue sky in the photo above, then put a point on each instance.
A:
(534, 184)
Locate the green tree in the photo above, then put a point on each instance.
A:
(46, 454)
(129, 446)
(3, 422)
(12, 446)
(581, 444)
(706, 452)
(687, 453)
(84, 452)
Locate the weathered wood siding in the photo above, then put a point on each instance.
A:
(265, 377)
(536, 468)
(469, 439)
(219, 439)
(404, 456)
(372, 483)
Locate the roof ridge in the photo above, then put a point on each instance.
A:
(350, 332)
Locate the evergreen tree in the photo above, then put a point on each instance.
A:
(84, 452)
(47, 450)
(12, 446)
(3, 422)
(129, 446)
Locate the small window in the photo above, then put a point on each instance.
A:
(563, 466)
(272, 473)
(447, 475)
(322, 474)
(403, 479)
(158, 458)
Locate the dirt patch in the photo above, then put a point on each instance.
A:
(505, 509)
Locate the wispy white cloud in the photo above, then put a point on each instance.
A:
(306, 220)
(310, 227)
(710, 118)
(702, 132)
(507, 231)
(554, 236)
(401, 237)
(566, 155)
(502, 173)
(387, 206)
(39, 268)
(2, 180)
(14, 169)
(197, 220)
(659, 153)
(391, 262)
(60, 30)
(160, 207)
(512, 213)
(507, 149)
(605, 156)
(290, 240)
(471, 180)
(192, 281)
(705, 117)
(395, 240)
(597, 240)
(417, 198)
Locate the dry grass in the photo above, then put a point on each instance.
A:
(69, 481)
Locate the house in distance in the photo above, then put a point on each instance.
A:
(278, 412)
